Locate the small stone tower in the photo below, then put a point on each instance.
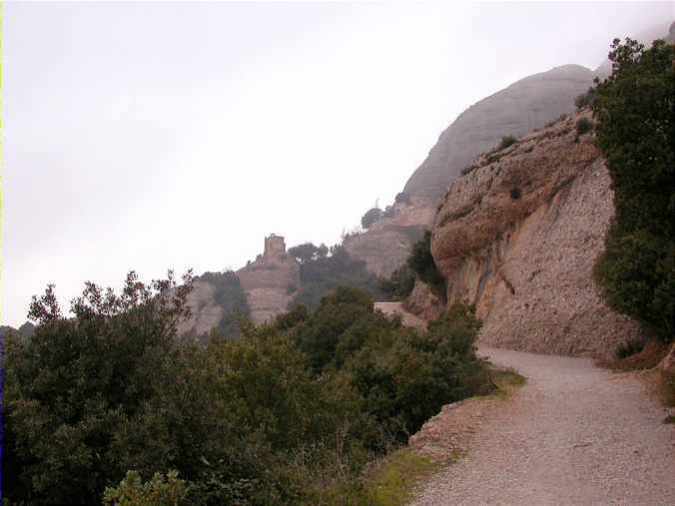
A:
(275, 246)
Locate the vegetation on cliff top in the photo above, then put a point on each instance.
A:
(634, 110)
(322, 270)
(111, 401)
(420, 263)
(230, 296)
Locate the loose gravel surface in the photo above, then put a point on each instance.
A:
(574, 434)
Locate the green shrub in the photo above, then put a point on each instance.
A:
(321, 275)
(634, 128)
(229, 295)
(307, 252)
(111, 406)
(372, 215)
(507, 140)
(389, 212)
(400, 284)
(404, 376)
(629, 348)
(584, 125)
(422, 263)
(402, 198)
(160, 491)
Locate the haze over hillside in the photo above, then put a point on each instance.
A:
(523, 106)
(164, 151)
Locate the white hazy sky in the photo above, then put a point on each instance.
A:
(150, 136)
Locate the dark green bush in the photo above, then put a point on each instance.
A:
(507, 140)
(289, 414)
(162, 490)
(404, 376)
(422, 263)
(324, 273)
(629, 348)
(584, 125)
(635, 129)
(400, 284)
(307, 252)
(403, 198)
(372, 215)
(229, 295)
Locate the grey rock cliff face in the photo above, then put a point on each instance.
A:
(205, 312)
(525, 105)
(519, 236)
(270, 281)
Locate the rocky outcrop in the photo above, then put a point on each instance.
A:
(527, 104)
(271, 281)
(385, 246)
(423, 302)
(396, 310)
(519, 235)
(205, 312)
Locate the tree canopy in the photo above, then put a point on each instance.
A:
(635, 129)
(110, 406)
(372, 216)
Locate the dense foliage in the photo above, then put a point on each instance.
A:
(506, 141)
(634, 110)
(403, 375)
(422, 263)
(583, 126)
(308, 252)
(159, 491)
(229, 295)
(77, 392)
(322, 272)
(400, 284)
(403, 198)
(110, 403)
(372, 215)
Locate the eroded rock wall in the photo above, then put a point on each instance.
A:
(270, 282)
(386, 245)
(519, 236)
(423, 302)
(206, 313)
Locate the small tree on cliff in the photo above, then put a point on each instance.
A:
(372, 215)
(422, 262)
(307, 252)
(634, 109)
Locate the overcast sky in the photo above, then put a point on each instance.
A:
(150, 136)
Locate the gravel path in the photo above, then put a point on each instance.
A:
(574, 434)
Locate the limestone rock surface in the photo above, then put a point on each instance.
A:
(270, 282)
(205, 312)
(423, 302)
(385, 246)
(526, 104)
(518, 237)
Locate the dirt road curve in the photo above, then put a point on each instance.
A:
(574, 434)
